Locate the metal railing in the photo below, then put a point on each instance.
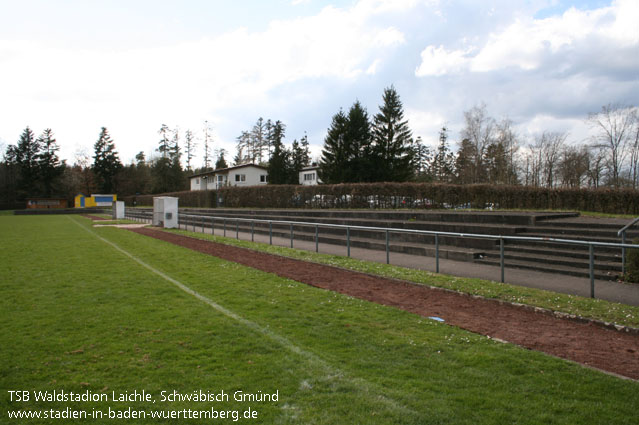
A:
(203, 220)
(622, 233)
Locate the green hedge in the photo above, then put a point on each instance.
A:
(408, 195)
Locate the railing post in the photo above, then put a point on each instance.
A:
(237, 229)
(436, 253)
(270, 233)
(203, 223)
(592, 271)
(501, 258)
(225, 227)
(291, 235)
(387, 247)
(213, 226)
(316, 238)
(348, 242)
(253, 231)
(623, 254)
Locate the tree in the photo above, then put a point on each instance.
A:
(244, 152)
(25, 156)
(507, 138)
(106, 162)
(259, 141)
(221, 162)
(551, 145)
(496, 163)
(207, 147)
(167, 172)
(392, 141)
(634, 160)
(299, 158)
(50, 169)
(479, 131)
(334, 161)
(573, 166)
(442, 166)
(279, 164)
(614, 126)
(190, 145)
(465, 163)
(165, 141)
(9, 176)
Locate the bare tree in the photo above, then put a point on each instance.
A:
(595, 170)
(207, 145)
(479, 130)
(543, 159)
(614, 126)
(634, 159)
(507, 138)
(574, 166)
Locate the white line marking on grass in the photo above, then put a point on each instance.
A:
(331, 372)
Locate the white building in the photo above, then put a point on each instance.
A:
(309, 177)
(240, 175)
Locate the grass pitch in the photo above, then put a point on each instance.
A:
(80, 315)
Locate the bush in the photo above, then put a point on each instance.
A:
(632, 264)
(408, 195)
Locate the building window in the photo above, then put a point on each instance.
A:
(220, 179)
(263, 178)
(197, 181)
(309, 177)
(240, 177)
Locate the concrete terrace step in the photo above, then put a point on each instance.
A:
(483, 217)
(373, 235)
(573, 236)
(489, 229)
(566, 253)
(551, 268)
(585, 231)
(550, 259)
(565, 259)
(302, 234)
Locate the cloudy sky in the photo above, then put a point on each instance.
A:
(132, 65)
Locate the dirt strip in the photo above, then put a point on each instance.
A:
(585, 343)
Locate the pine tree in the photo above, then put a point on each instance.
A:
(358, 145)
(422, 161)
(207, 146)
(465, 162)
(279, 164)
(165, 143)
(50, 168)
(221, 161)
(346, 156)
(106, 162)
(299, 158)
(190, 145)
(443, 164)
(25, 156)
(259, 141)
(333, 163)
(392, 141)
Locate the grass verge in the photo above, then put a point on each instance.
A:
(597, 309)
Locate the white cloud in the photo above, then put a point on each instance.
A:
(529, 43)
(184, 83)
(438, 61)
